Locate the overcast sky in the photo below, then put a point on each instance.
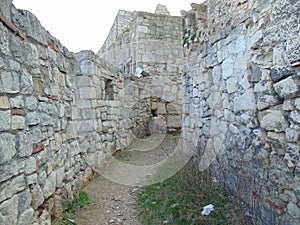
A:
(85, 24)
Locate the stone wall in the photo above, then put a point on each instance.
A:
(63, 114)
(97, 108)
(145, 101)
(241, 102)
(147, 49)
(120, 25)
(150, 41)
(58, 115)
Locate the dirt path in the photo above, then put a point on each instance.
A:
(113, 191)
(112, 203)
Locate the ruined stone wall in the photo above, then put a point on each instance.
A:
(150, 43)
(241, 103)
(57, 122)
(97, 107)
(150, 101)
(63, 114)
(120, 25)
(209, 18)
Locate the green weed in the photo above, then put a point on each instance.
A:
(68, 217)
(181, 198)
(122, 155)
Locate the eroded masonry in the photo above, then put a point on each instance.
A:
(226, 74)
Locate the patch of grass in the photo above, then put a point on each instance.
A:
(122, 155)
(175, 134)
(68, 217)
(181, 198)
(174, 163)
(65, 219)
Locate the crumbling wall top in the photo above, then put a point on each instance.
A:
(162, 9)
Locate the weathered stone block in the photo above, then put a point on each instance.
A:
(95, 159)
(273, 120)
(227, 68)
(17, 122)
(292, 135)
(26, 217)
(9, 211)
(31, 179)
(88, 114)
(295, 116)
(240, 64)
(37, 196)
(107, 124)
(86, 125)
(36, 135)
(24, 198)
(60, 174)
(4, 102)
(84, 81)
(289, 87)
(6, 9)
(5, 120)
(231, 84)
(244, 83)
(174, 121)
(31, 103)
(87, 67)
(9, 82)
(266, 101)
(30, 165)
(278, 73)
(14, 65)
(24, 144)
(7, 147)
(245, 101)
(17, 102)
(161, 108)
(36, 86)
(9, 188)
(11, 169)
(255, 74)
(278, 142)
(32, 118)
(71, 131)
(297, 103)
(27, 84)
(265, 86)
(293, 209)
(50, 185)
(158, 125)
(288, 105)
(142, 29)
(229, 115)
(82, 104)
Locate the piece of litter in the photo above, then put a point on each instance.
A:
(133, 190)
(174, 205)
(207, 210)
(118, 220)
(248, 213)
(214, 180)
(71, 221)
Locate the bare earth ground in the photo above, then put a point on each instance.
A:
(112, 203)
(113, 190)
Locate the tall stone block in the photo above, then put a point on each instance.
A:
(7, 147)
(5, 8)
